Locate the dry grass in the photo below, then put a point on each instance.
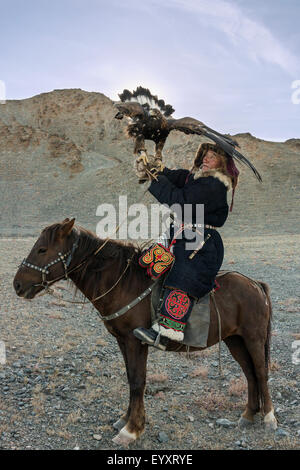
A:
(292, 309)
(238, 387)
(89, 395)
(101, 342)
(182, 432)
(38, 402)
(157, 378)
(15, 418)
(96, 363)
(89, 367)
(4, 428)
(213, 401)
(52, 385)
(291, 383)
(62, 433)
(200, 371)
(204, 353)
(74, 417)
(177, 405)
(290, 304)
(295, 335)
(274, 366)
(55, 317)
(289, 301)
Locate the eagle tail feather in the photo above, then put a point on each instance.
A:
(145, 98)
(126, 95)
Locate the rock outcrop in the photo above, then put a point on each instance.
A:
(62, 153)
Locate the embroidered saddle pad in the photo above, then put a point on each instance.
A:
(197, 327)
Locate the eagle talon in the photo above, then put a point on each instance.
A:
(143, 156)
(152, 174)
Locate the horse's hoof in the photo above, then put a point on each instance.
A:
(244, 423)
(271, 426)
(118, 425)
(124, 438)
(270, 421)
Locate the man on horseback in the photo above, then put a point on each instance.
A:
(193, 272)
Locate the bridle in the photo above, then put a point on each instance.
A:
(65, 259)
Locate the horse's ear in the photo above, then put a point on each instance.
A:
(66, 227)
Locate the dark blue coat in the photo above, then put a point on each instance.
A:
(195, 276)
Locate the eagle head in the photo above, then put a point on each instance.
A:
(155, 113)
(131, 110)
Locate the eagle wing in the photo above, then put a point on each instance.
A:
(190, 125)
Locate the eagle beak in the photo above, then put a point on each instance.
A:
(119, 115)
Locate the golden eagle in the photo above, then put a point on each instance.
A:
(151, 119)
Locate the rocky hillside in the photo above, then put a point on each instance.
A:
(62, 154)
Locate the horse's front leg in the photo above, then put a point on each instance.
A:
(122, 421)
(135, 355)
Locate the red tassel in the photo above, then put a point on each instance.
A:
(187, 177)
(172, 243)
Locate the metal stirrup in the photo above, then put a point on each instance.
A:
(157, 340)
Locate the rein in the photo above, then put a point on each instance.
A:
(127, 266)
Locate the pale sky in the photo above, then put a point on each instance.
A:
(229, 63)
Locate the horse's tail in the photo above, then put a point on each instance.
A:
(266, 290)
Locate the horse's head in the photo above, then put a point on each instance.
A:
(47, 260)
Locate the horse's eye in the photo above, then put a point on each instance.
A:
(42, 250)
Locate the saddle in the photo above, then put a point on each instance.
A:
(197, 327)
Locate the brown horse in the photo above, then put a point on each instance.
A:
(101, 268)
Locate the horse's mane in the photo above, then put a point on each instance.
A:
(114, 249)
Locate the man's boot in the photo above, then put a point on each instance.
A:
(151, 337)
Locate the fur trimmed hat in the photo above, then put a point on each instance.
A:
(229, 167)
